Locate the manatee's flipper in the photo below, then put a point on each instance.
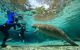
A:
(71, 42)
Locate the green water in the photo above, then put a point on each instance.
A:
(68, 21)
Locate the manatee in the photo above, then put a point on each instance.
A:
(53, 32)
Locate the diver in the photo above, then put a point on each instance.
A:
(5, 27)
(22, 28)
(22, 31)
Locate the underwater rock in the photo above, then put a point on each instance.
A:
(53, 32)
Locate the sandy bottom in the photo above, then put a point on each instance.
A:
(46, 45)
(41, 48)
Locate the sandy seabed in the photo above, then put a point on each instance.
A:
(42, 48)
(47, 45)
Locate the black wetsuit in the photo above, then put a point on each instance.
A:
(22, 26)
(22, 31)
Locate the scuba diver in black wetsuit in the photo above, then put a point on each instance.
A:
(5, 27)
(22, 31)
(22, 28)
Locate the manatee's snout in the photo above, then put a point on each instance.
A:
(35, 25)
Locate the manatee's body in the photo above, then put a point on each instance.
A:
(54, 32)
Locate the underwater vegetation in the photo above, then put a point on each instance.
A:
(62, 14)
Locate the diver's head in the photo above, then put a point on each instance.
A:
(20, 17)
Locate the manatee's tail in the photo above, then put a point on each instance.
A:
(71, 42)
